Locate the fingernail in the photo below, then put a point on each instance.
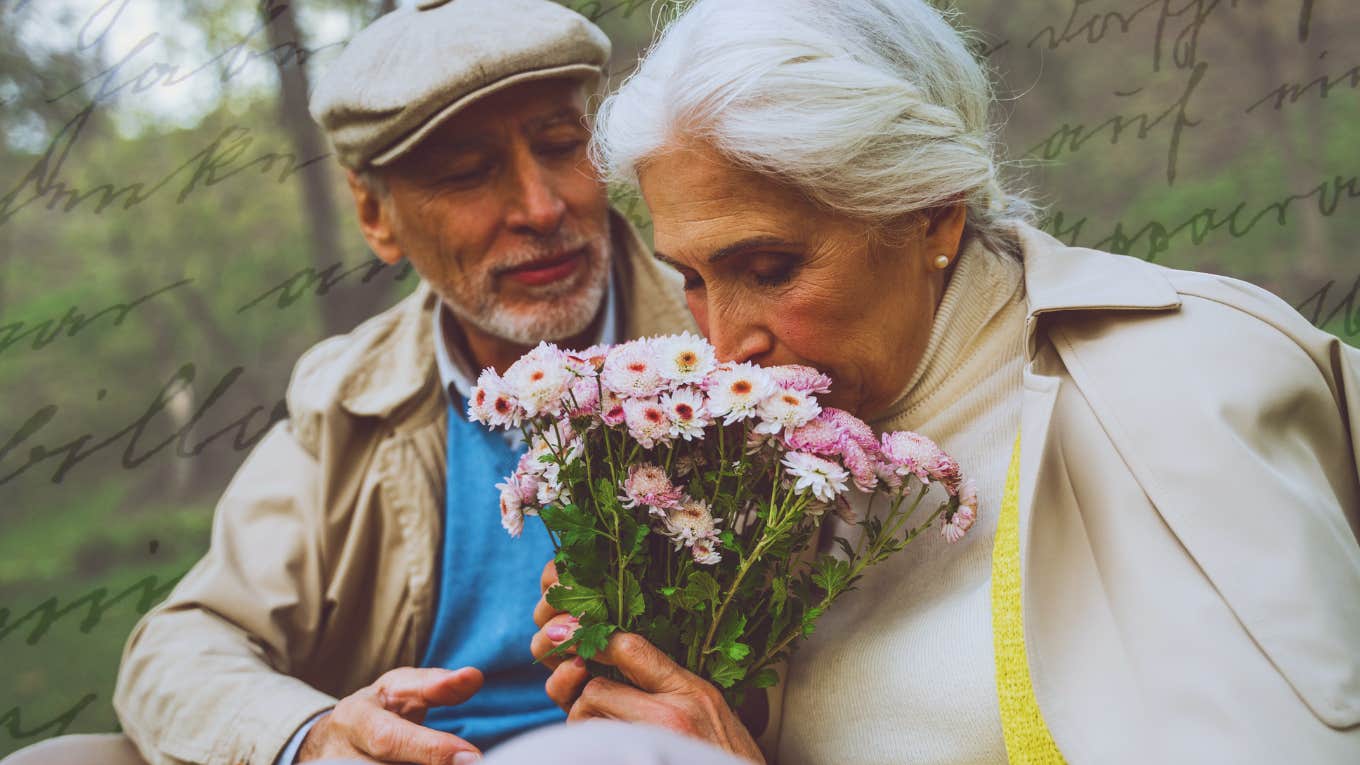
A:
(577, 661)
(466, 758)
(558, 632)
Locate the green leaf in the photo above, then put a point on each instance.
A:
(724, 672)
(779, 594)
(632, 594)
(578, 600)
(573, 525)
(592, 639)
(831, 574)
(765, 678)
(701, 588)
(810, 620)
(729, 540)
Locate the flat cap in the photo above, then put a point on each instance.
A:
(409, 71)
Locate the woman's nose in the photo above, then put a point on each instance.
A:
(736, 338)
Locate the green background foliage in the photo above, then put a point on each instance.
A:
(239, 215)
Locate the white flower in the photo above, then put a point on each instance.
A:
(705, 553)
(512, 513)
(632, 369)
(690, 523)
(687, 411)
(735, 391)
(647, 421)
(539, 379)
(825, 478)
(492, 404)
(785, 408)
(684, 358)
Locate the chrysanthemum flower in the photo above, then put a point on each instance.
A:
(863, 467)
(492, 403)
(960, 522)
(632, 370)
(584, 398)
(734, 391)
(816, 436)
(611, 408)
(705, 552)
(907, 453)
(824, 478)
(800, 378)
(539, 379)
(648, 485)
(684, 358)
(688, 413)
(853, 427)
(691, 522)
(785, 409)
(647, 421)
(512, 514)
(587, 362)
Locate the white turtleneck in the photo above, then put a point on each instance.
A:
(901, 669)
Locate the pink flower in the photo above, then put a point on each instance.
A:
(863, 466)
(632, 370)
(959, 523)
(684, 358)
(817, 436)
(907, 453)
(585, 392)
(587, 362)
(611, 408)
(647, 421)
(492, 404)
(800, 378)
(539, 379)
(944, 469)
(785, 409)
(691, 522)
(687, 411)
(853, 427)
(705, 552)
(512, 506)
(648, 485)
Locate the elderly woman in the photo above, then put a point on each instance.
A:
(1166, 565)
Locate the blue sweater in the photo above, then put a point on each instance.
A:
(487, 587)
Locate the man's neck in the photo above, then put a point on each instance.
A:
(486, 350)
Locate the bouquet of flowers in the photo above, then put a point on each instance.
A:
(682, 496)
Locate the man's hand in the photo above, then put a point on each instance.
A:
(381, 723)
(662, 692)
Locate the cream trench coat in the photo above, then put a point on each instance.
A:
(1189, 515)
(319, 575)
(1188, 523)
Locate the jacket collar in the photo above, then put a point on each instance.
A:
(1060, 278)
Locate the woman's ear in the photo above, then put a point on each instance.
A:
(375, 219)
(944, 229)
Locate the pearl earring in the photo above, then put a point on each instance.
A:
(942, 262)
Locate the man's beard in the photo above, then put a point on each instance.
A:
(553, 311)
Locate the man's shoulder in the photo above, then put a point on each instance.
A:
(370, 371)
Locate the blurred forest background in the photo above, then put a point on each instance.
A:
(174, 233)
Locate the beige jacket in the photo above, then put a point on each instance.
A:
(1189, 517)
(319, 576)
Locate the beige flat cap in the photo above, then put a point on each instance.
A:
(405, 74)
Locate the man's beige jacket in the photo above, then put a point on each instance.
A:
(319, 575)
(1189, 517)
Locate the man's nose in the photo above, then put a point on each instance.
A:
(536, 207)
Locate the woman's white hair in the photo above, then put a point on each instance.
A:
(873, 108)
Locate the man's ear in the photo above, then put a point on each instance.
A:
(375, 220)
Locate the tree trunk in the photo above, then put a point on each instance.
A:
(346, 305)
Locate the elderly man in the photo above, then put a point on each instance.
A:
(359, 583)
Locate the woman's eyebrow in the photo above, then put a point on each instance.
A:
(735, 248)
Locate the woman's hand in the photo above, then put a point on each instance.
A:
(662, 692)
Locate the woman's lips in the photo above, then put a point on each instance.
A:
(547, 270)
